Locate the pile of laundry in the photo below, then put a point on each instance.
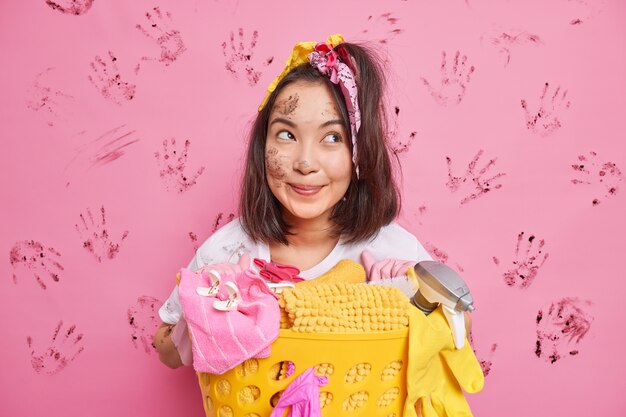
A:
(235, 317)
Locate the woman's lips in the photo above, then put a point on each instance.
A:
(305, 190)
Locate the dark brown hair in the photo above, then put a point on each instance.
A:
(371, 201)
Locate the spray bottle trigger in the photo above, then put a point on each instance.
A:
(456, 321)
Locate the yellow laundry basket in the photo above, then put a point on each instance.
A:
(366, 375)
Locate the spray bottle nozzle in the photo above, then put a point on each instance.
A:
(440, 284)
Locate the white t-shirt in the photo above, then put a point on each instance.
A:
(230, 242)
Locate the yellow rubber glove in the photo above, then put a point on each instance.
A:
(438, 372)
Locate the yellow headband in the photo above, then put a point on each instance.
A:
(299, 55)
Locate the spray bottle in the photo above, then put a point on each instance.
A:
(441, 285)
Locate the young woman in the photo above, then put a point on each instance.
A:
(318, 184)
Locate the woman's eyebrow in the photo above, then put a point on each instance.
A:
(283, 120)
(331, 122)
(292, 124)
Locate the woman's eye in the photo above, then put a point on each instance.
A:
(283, 134)
(332, 138)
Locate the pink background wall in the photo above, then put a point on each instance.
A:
(78, 138)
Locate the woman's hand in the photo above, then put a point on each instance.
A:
(168, 354)
(387, 268)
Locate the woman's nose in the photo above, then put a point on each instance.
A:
(305, 165)
(305, 160)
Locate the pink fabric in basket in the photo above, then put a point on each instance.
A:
(223, 339)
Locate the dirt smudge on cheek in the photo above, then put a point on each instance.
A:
(274, 163)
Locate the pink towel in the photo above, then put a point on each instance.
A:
(303, 395)
(222, 340)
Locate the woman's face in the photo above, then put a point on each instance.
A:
(307, 152)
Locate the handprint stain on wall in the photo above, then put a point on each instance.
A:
(584, 10)
(527, 261)
(95, 236)
(173, 164)
(108, 81)
(399, 145)
(473, 181)
(159, 29)
(144, 320)
(194, 241)
(486, 363)
(602, 175)
(382, 28)
(48, 101)
(74, 7)
(561, 327)
(505, 42)
(40, 261)
(547, 118)
(421, 213)
(454, 81)
(62, 349)
(438, 254)
(220, 220)
(240, 58)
